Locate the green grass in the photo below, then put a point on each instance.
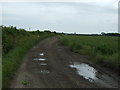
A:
(102, 50)
(25, 83)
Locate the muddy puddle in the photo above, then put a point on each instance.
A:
(41, 71)
(43, 64)
(44, 71)
(41, 54)
(86, 71)
(40, 59)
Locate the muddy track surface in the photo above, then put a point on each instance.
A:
(51, 65)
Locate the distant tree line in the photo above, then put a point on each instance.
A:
(110, 34)
(102, 34)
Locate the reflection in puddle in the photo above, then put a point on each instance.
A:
(41, 54)
(44, 71)
(85, 70)
(41, 59)
(43, 64)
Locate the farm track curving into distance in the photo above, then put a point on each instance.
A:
(47, 65)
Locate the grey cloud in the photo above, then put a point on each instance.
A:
(67, 17)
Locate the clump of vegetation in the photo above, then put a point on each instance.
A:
(15, 43)
(25, 83)
(102, 50)
(73, 46)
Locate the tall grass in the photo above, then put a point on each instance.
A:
(102, 50)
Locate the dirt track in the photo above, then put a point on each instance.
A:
(58, 74)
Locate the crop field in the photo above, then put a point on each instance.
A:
(102, 50)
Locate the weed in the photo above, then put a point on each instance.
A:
(25, 83)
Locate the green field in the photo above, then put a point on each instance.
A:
(102, 50)
(15, 43)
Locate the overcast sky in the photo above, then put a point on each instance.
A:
(83, 16)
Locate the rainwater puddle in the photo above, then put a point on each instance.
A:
(40, 59)
(43, 64)
(44, 71)
(41, 54)
(85, 70)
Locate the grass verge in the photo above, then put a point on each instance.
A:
(12, 60)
